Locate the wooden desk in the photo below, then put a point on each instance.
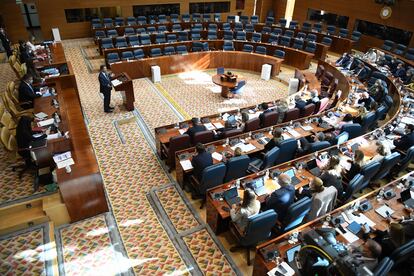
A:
(57, 55)
(261, 267)
(225, 85)
(197, 61)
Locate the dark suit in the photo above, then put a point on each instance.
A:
(332, 180)
(366, 102)
(6, 44)
(272, 143)
(280, 200)
(405, 142)
(362, 73)
(300, 104)
(27, 93)
(261, 116)
(105, 87)
(400, 73)
(343, 60)
(200, 162)
(194, 129)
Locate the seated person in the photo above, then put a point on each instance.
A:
(350, 64)
(314, 97)
(408, 78)
(227, 126)
(399, 71)
(347, 119)
(377, 91)
(323, 198)
(265, 108)
(237, 152)
(356, 164)
(343, 60)
(368, 253)
(299, 103)
(365, 99)
(202, 160)
(275, 141)
(249, 207)
(407, 140)
(280, 199)
(245, 117)
(197, 127)
(371, 55)
(381, 152)
(361, 72)
(27, 93)
(282, 108)
(306, 143)
(331, 175)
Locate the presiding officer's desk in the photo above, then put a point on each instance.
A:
(197, 61)
(282, 244)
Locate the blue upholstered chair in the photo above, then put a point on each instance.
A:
(261, 50)
(162, 29)
(295, 214)
(400, 49)
(293, 24)
(212, 34)
(273, 39)
(369, 121)
(403, 252)
(108, 22)
(107, 43)
(288, 149)
(311, 37)
(267, 162)
(354, 130)
(266, 30)
(196, 17)
(228, 45)
(306, 26)
(111, 33)
(406, 160)
(369, 171)
(145, 39)
(211, 177)
(138, 54)
(310, 47)
(195, 34)
(239, 88)
(226, 26)
(169, 50)
(185, 17)
(388, 45)
(206, 17)
(387, 165)
(121, 42)
(231, 18)
(181, 49)
(270, 20)
(238, 26)
(249, 28)
(100, 34)
(343, 33)
(384, 267)
(289, 33)
(319, 146)
(244, 19)
(174, 18)
(353, 187)
(356, 36)
(160, 38)
(171, 38)
(282, 22)
(248, 48)
(258, 229)
(277, 31)
(176, 28)
(327, 41)
(129, 31)
(285, 41)
(127, 55)
(279, 54)
(297, 43)
(112, 57)
(217, 17)
(151, 30)
(331, 30)
(212, 26)
(409, 54)
(183, 36)
(254, 19)
(236, 167)
(256, 37)
(317, 27)
(301, 35)
(155, 52)
(142, 20)
(162, 18)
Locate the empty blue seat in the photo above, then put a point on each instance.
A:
(240, 35)
(152, 19)
(353, 187)
(100, 34)
(195, 35)
(142, 20)
(256, 37)
(369, 121)
(121, 42)
(409, 54)
(107, 43)
(356, 36)
(279, 54)
(317, 27)
(181, 49)
(249, 28)
(140, 31)
(217, 17)
(160, 38)
(387, 164)
(273, 39)
(248, 48)
(239, 87)
(162, 18)
(254, 19)
(228, 35)
(270, 20)
(301, 35)
(95, 20)
(145, 39)
(176, 28)
(311, 37)
(108, 22)
(236, 167)
(111, 33)
(228, 45)
(174, 18)
(155, 52)
(197, 26)
(282, 22)
(354, 130)
(151, 29)
(244, 19)
(127, 55)
(261, 50)
(331, 30)
(206, 17)
(310, 47)
(266, 30)
(238, 26)
(197, 46)
(287, 150)
(129, 31)
(183, 36)
(96, 25)
(297, 43)
(293, 24)
(226, 26)
(369, 171)
(388, 45)
(185, 17)
(289, 33)
(400, 49)
(284, 41)
(162, 29)
(212, 27)
(231, 18)
(196, 17)
(171, 38)
(306, 26)
(211, 34)
(343, 32)
(139, 53)
(277, 31)
(169, 50)
(112, 57)
(327, 41)
(119, 21)
(295, 214)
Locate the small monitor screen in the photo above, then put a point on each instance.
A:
(290, 172)
(231, 119)
(311, 164)
(257, 183)
(230, 193)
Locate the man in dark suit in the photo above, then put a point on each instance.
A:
(343, 60)
(197, 127)
(5, 42)
(307, 143)
(406, 141)
(202, 160)
(350, 64)
(265, 108)
(299, 103)
(282, 198)
(361, 72)
(399, 71)
(27, 93)
(366, 100)
(105, 87)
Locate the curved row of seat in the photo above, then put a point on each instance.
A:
(398, 49)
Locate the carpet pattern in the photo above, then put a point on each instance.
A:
(208, 256)
(25, 252)
(86, 248)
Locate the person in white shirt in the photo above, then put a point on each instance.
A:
(323, 199)
(249, 207)
(382, 151)
(371, 55)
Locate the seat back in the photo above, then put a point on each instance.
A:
(341, 138)
(100, 34)
(384, 267)
(196, 17)
(162, 29)
(368, 121)
(311, 37)
(252, 125)
(171, 38)
(288, 149)
(249, 28)
(289, 33)
(400, 49)
(270, 20)
(407, 160)
(206, 17)
(183, 36)
(277, 31)
(238, 26)
(226, 26)
(269, 119)
(145, 39)
(129, 31)
(259, 228)
(381, 112)
(296, 213)
(228, 35)
(285, 41)
(317, 27)
(174, 18)
(139, 53)
(273, 39)
(368, 171)
(291, 114)
(121, 42)
(388, 45)
(244, 19)
(160, 38)
(319, 146)
(220, 70)
(197, 46)
(181, 49)
(293, 24)
(236, 167)
(310, 47)
(354, 130)
(111, 33)
(282, 22)
(133, 40)
(327, 41)
(142, 20)
(176, 28)
(185, 17)
(387, 164)
(232, 132)
(217, 17)
(107, 43)
(261, 50)
(177, 143)
(331, 30)
(254, 19)
(228, 45)
(155, 52)
(248, 48)
(211, 177)
(127, 55)
(169, 50)
(409, 54)
(212, 34)
(240, 35)
(306, 26)
(356, 36)
(301, 35)
(403, 252)
(151, 29)
(212, 27)
(231, 18)
(256, 37)
(353, 187)
(203, 137)
(269, 158)
(279, 54)
(343, 32)
(266, 30)
(308, 110)
(112, 57)
(195, 34)
(298, 43)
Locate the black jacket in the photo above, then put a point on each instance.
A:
(194, 129)
(405, 142)
(27, 93)
(105, 84)
(200, 162)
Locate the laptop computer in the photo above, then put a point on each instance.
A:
(313, 167)
(290, 253)
(257, 185)
(407, 197)
(293, 178)
(231, 196)
(232, 120)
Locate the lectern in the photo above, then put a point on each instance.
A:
(123, 83)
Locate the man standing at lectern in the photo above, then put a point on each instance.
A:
(105, 88)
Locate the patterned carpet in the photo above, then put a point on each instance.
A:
(26, 252)
(85, 248)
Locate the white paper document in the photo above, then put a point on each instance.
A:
(217, 156)
(285, 136)
(293, 132)
(307, 128)
(186, 164)
(53, 136)
(348, 235)
(182, 131)
(116, 82)
(384, 211)
(47, 122)
(407, 120)
(41, 115)
(209, 126)
(362, 219)
(62, 157)
(67, 162)
(282, 268)
(218, 125)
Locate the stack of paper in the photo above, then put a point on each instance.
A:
(182, 130)
(41, 115)
(307, 128)
(217, 156)
(46, 122)
(186, 164)
(218, 125)
(116, 82)
(64, 159)
(293, 132)
(209, 126)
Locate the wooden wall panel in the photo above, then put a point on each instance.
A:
(13, 20)
(279, 9)
(368, 10)
(263, 8)
(52, 13)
